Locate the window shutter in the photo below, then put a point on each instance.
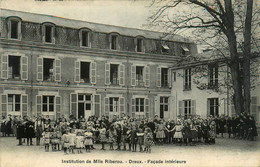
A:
(24, 104)
(122, 74)
(97, 102)
(106, 106)
(107, 74)
(147, 76)
(19, 30)
(133, 75)
(73, 104)
(158, 77)
(193, 107)
(157, 105)
(77, 72)
(169, 78)
(53, 34)
(122, 105)
(43, 33)
(4, 104)
(58, 106)
(4, 67)
(39, 69)
(57, 70)
(24, 68)
(147, 107)
(208, 107)
(39, 104)
(93, 73)
(181, 108)
(133, 107)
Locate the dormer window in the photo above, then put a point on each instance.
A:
(84, 36)
(139, 46)
(48, 33)
(114, 39)
(14, 28)
(165, 49)
(185, 50)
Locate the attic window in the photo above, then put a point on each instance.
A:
(14, 28)
(48, 33)
(165, 49)
(114, 42)
(185, 50)
(84, 35)
(139, 45)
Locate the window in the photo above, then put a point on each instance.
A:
(48, 33)
(85, 72)
(48, 103)
(85, 38)
(163, 105)
(213, 104)
(139, 76)
(139, 45)
(14, 28)
(185, 50)
(14, 103)
(187, 79)
(164, 77)
(113, 104)
(213, 76)
(187, 108)
(114, 42)
(114, 80)
(139, 105)
(48, 73)
(14, 63)
(165, 49)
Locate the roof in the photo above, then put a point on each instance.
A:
(77, 24)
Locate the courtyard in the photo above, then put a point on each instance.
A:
(226, 152)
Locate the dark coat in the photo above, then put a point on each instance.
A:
(29, 129)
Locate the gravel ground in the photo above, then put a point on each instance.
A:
(226, 152)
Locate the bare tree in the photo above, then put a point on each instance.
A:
(225, 24)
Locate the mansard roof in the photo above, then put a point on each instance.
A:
(77, 24)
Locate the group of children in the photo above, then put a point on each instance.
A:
(73, 140)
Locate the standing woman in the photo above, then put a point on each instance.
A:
(8, 125)
(20, 130)
(3, 126)
(38, 129)
(29, 130)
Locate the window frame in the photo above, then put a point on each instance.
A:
(213, 76)
(139, 105)
(52, 32)
(88, 31)
(140, 83)
(14, 112)
(19, 25)
(187, 79)
(48, 112)
(188, 108)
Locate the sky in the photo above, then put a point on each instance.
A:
(126, 13)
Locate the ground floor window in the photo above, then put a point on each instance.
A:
(213, 106)
(164, 105)
(113, 104)
(48, 103)
(14, 103)
(187, 108)
(139, 105)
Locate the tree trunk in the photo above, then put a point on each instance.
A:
(246, 56)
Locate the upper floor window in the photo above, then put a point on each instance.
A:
(139, 76)
(187, 79)
(114, 42)
(213, 76)
(164, 79)
(139, 45)
(165, 49)
(84, 35)
(14, 67)
(14, 28)
(48, 33)
(114, 74)
(48, 69)
(85, 72)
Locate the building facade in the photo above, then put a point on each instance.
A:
(53, 66)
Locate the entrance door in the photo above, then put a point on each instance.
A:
(85, 105)
(113, 107)
(88, 106)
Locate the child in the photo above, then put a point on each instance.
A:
(79, 142)
(46, 138)
(53, 141)
(88, 140)
(111, 137)
(65, 141)
(178, 132)
(160, 135)
(102, 136)
(148, 140)
(72, 137)
(140, 139)
(133, 138)
(58, 140)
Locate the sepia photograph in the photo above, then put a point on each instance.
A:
(129, 83)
